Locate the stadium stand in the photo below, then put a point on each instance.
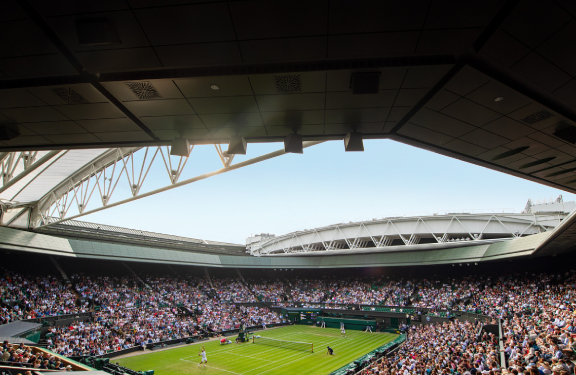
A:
(536, 312)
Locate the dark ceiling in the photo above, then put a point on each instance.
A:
(286, 66)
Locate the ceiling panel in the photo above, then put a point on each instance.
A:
(470, 112)
(30, 40)
(464, 147)
(380, 44)
(559, 49)
(309, 82)
(293, 118)
(90, 111)
(18, 98)
(295, 49)
(227, 86)
(340, 116)
(276, 19)
(33, 114)
(160, 107)
(535, 21)
(424, 134)
(290, 102)
(384, 98)
(187, 24)
(108, 125)
(119, 59)
(484, 139)
(541, 72)
(124, 24)
(232, 119)
(509, 128)
(56, 127)
(441, 123)
(486, 95)
(165, 88)
(173, 122)
(205, 54)
(229, 104)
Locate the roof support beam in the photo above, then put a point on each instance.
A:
(29, 170)
(166, 188)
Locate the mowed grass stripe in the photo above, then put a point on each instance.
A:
(254, 359)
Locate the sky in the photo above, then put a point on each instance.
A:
(323, 186)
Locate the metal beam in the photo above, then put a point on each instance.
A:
(182, 183)
(29, 170)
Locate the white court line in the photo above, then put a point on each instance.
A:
(237, 373)
(283, 358)
(283, 364)
(249, 356)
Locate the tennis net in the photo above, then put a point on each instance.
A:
(303, 346)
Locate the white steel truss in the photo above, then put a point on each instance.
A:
(77, 197)
(409, 231)
(16, 165)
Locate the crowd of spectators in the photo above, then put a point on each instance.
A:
(537, 312)
(34, 297)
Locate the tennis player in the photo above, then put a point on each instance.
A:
(342, 331)
(203, 355)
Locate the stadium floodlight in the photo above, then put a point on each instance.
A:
(353, 142)
(237, 146)
(180, 147)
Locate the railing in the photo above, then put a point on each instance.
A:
(367, 358)
(501, 345)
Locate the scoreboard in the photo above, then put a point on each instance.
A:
(308, 315)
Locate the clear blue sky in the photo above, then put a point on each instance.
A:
(323, 186)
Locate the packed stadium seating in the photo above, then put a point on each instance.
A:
(537, 311)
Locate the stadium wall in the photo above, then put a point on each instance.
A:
(25, 241)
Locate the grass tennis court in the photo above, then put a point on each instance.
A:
(254, 359)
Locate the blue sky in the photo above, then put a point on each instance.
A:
(323, 186)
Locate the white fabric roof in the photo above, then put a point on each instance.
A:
(40, 181)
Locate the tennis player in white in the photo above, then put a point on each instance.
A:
(203, 355)
(342, 331)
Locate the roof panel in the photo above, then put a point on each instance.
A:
(42, 180)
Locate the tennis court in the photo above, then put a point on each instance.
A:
(254, 359)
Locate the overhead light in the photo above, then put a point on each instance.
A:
(237, 146)
(180, 147)
(293, 144)
(353, 142)
(498, 98)
(215, 87)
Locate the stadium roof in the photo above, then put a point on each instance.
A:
(491, 83)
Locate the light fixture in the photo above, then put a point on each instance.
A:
(215, 87)
(498, 98)
(353, 142)
(293, 144)
(180, 147)
(237, 146)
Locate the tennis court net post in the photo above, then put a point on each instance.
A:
(295, 345)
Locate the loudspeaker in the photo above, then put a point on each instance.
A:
(353, 142)
(180, 147)
(293, 144)
(237, 146)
